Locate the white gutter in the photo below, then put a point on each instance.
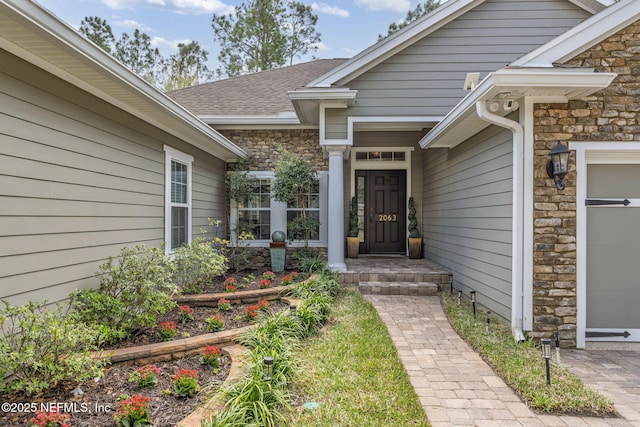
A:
(517, 229)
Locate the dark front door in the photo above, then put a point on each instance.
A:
(385, 211)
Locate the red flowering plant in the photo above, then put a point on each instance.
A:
(265, 283)
(294, 275)
(269, 275)
(210, 356)
(167, 330)
(185, 382)
(230, 288)
(215, 323)
(185, 314)
(252, 311)
(145, 376)
(133, 411)
(224, 304)
(286, 280)
(263, 304)
(52, 418)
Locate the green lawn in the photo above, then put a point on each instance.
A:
(353, 371)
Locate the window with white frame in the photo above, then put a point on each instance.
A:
(311, 202)
(261, 215)
(177, 230)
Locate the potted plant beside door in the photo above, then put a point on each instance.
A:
(353, 241)
(415, 241)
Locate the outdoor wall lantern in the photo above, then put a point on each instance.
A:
(546, 353)
(558, 164)
(473, 302)
(268, 364)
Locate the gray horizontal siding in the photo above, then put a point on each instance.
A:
(78, 181)
(426, 79)
(467, 202)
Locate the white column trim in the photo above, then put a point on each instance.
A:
(335, 209)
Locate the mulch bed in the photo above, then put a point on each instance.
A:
(98, 404)
(95, 408)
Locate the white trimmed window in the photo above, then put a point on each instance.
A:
(177, 217)
(263, 215)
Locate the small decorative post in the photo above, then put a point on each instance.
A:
(278, 251)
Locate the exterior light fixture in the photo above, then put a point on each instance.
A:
(546, 353)
(556, 336)
(488, 320)
(473, 302)
(451, 283)
(292, 308)
(558, 164)
(268, 364)
(459, 296)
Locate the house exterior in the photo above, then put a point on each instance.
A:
(460, 110)
(92, 158)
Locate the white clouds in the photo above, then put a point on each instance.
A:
(330, 10)
(322, 47)
(165, 45)
(386, 5)
(187, 7)
(130, 23)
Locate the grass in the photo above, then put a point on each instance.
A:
(522, 367)
(353, 371)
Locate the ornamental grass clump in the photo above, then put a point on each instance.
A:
(135, 288)
(145, 376)
(215, 323)
(211, 356)
(52, 418)
(133, 412)
(167, 330)
(40, 346)
(185, 314)
(185, 382)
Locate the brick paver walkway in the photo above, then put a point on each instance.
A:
(456, 387)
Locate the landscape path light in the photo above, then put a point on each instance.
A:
(459, 296)
(546, 353)
(556, 335)
(473, 302)
(268, 363)
(451, 283)
(488, 320)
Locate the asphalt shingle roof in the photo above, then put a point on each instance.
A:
(263, 93)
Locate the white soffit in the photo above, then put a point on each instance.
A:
(462, 122)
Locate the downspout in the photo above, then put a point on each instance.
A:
(517, 283)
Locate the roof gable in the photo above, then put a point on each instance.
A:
(410, 34)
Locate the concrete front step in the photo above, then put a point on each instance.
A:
(398, 288)
(392, 276)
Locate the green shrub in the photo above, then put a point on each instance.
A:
(196, 264)
(134, 289)
(40, 346)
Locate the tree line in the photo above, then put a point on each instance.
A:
(259, 35)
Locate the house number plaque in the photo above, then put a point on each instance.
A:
(387, 218)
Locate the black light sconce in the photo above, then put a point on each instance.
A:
(558, 164)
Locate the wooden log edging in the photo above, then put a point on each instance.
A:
(238, 297)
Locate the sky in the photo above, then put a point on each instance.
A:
(346, 26)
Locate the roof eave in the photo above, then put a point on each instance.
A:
(306, 101)
(462, 121)
(168, 115)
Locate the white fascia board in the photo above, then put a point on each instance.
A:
(593, 6)
(566, 83)
(192, 130)
(323, 94)
(392, 44)
(288, 118)
(583, 36)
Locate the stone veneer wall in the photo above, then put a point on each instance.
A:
(262, 147)
(610, 115)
